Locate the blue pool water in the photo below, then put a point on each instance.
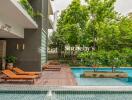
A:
(66, 95)
(102, 81)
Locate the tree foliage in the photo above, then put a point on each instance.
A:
(72, 22)
(96, 25)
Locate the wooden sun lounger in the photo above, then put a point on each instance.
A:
(21, 72)
(51, 69)
(12, 76)
(53, 62)
(47, 67)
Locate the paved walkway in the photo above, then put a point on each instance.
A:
(52, 78)
(59, 78)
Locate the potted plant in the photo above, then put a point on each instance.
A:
(10, 60)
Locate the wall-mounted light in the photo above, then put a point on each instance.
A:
(17, 46)
(23, 46)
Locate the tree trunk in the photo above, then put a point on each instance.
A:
(64, 55)
(113, 69)
(94, 69)
(70, 51)
(73, 55)
(59, 51)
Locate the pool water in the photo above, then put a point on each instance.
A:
(102, 81)
(67, 95)
(23, 96)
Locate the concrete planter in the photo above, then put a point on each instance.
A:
(88, 74)
(9, 65)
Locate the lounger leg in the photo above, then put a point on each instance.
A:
(33, 81)
(5, 80)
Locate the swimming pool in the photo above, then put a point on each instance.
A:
(62, 93)
(102, 81)
(36, 95)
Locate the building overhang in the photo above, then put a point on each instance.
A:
(50, 9)
(8, 34)
(13, 12)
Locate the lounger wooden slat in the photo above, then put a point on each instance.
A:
(7, 78)
(50, 69)
(21, 72)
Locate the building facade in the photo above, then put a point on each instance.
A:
(23, 36)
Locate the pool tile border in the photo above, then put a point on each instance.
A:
(65, 88)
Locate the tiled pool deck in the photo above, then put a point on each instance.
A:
(50, 78)
(62, 86)
(58, 80)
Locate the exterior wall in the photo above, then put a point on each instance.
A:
(43, 48)
(35, 41)
(44, 35)
(30, 58)
(45, 14)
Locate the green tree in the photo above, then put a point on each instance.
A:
(125, 27)
(100, 12)
(96, 25)
(71, 24)
(58, 42)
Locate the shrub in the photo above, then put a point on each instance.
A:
(87, 58)
(27, 7)
(114, 58)
(104, 58)
(127, 54)
(10, 59)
